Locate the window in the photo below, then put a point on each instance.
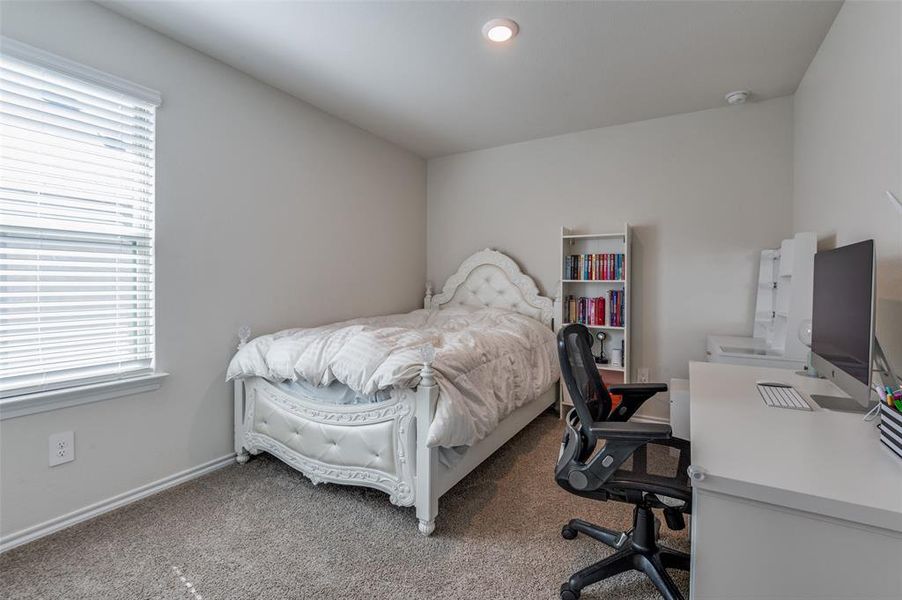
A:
(76, 224)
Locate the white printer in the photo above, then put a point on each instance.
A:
(785, 282)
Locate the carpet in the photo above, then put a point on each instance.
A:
(262, 531)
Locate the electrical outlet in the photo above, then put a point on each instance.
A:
(62, 448)
(643, 374)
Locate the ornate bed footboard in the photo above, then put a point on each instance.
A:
(352, 445)
(382, 446)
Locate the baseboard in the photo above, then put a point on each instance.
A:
(40, 530)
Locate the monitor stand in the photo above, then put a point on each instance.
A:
(842, 404)
(839, 404)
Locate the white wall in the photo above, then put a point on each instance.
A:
(705, 192)
(269, 212)
(848, 137)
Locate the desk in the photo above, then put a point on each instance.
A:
(793, 504)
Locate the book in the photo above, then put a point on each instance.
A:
(585, 310)
(616, 304)
(594, 267)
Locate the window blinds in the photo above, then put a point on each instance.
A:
(76, 229)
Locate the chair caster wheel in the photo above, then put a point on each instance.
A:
(569, 594)
(568, 533)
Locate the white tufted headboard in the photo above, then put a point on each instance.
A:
(490, 278)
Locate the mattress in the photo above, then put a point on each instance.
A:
(333, 394)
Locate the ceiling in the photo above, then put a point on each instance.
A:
(421, 75)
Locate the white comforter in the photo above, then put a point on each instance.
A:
(488, 362)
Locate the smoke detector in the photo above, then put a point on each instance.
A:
(737, 97)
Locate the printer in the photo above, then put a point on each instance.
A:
(784, 298)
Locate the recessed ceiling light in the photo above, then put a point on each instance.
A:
(499, 31)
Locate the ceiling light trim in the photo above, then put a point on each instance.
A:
(500, 30)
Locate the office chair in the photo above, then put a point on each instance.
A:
(594, 451)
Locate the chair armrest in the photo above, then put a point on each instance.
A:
(626, 389)
(631, 431)
(634, 396)
(622, 440)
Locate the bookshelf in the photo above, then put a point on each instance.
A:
(593, 278)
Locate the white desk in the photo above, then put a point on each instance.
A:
(794, 504)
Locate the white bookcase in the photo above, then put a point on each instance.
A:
(574, 243)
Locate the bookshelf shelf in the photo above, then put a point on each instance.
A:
(592, 236)
(609, 291)
(611, 327)
(593, 280)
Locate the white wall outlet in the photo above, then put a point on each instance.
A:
(62, 448)
(643, 375)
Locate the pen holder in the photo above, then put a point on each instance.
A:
(891, 428)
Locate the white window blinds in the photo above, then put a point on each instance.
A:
(76, 225)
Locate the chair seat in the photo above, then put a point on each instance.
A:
(634, 481)
(638, 479)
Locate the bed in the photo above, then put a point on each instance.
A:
(408, 441)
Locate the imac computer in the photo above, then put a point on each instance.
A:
(842, 324)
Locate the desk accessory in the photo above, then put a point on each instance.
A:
(891, 428)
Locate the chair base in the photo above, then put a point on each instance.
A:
(635, 550)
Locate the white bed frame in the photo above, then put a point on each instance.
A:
(383, 445)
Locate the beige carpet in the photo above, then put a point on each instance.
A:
(263, 531)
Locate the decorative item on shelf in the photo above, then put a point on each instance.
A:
(601, 359)
(617, 357)
(804, 334)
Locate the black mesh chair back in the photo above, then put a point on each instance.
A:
(587, 391)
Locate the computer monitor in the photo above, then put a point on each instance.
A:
(842, 323)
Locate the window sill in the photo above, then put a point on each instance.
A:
(39, 402)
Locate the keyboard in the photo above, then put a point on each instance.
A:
(782, 396)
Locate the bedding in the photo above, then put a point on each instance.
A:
(488, 362)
